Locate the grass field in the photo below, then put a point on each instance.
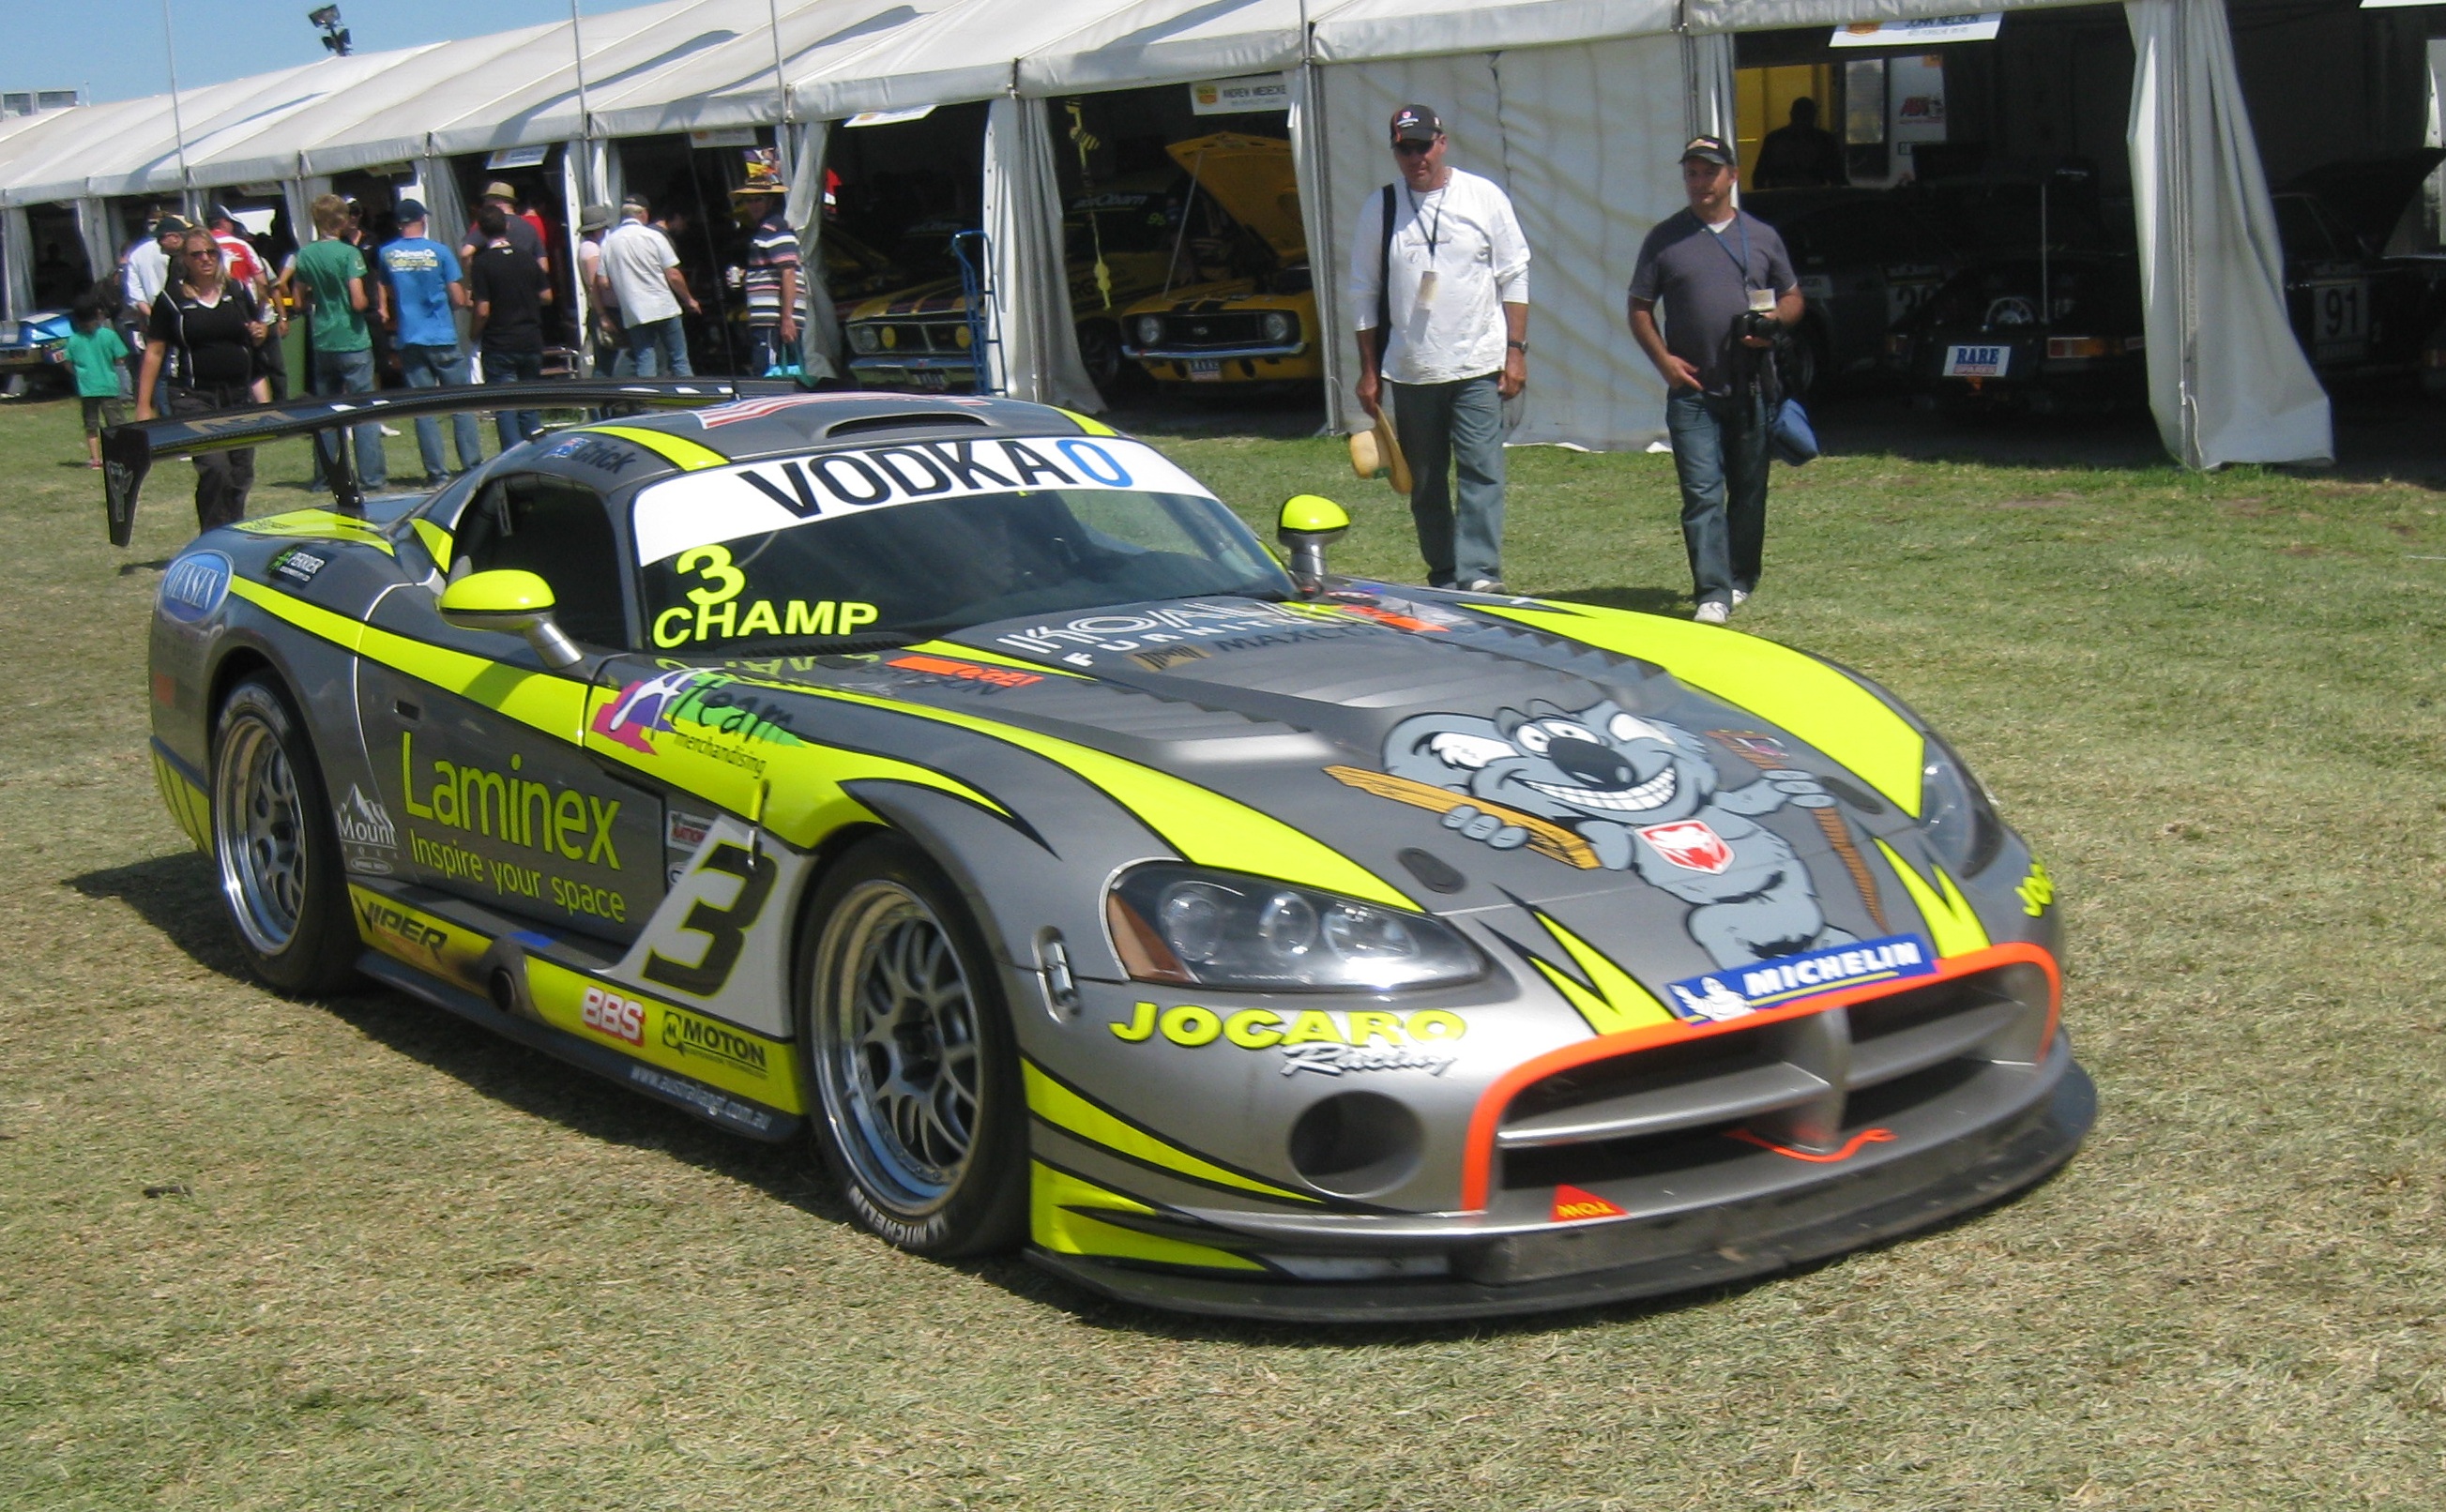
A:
(256, 1253)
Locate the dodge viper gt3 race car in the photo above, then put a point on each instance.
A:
(957, 782)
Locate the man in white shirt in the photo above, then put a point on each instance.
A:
(644, 272)
(1442, 309)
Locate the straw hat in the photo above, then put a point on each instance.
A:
(1375, 452)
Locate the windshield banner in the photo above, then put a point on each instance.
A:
(754, 499)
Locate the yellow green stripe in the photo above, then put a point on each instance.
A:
(1200, 823)
(1780, 684)
(971, 653)
(1073, 1115)
(679, 450)
(1089, 424)
(436, 539)
(554, 705)
(1057, 1225)
(1611, 1000)
(1953, 925)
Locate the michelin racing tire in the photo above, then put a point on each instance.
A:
(274, 849)
(909, 1047)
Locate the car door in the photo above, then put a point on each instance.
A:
(479, 747)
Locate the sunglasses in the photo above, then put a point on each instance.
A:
(212, 256)
(1412, 149)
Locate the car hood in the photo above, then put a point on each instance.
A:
(2369, 194)
(1388, 725)
(1224, 294)
(1251, 178)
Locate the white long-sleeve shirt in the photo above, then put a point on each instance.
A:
(1467, 235)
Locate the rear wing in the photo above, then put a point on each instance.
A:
(128, 450)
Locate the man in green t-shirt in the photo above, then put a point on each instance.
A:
(95, 352)
(334, 274)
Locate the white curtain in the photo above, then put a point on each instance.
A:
(819, 333)
(100, 238)
(2227, 380)
(1583, 138)
(577, 163)
(17, 257)
(2436, 192)
(447, 213)
(1037, 358)
(1707, 84)
(607, 170)
(1313, 166)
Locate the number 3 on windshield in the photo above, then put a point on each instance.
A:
(712, 563)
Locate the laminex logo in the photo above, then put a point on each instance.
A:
(194, 584)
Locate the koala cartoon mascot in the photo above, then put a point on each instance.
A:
(1644, 794)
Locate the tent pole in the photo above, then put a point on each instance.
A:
(178, 122)
(781, 153)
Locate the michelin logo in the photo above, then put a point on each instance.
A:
(1722, 995)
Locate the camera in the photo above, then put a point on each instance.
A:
(1759, 324)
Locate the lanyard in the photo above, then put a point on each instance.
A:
(1437, 229)
(1742, 262)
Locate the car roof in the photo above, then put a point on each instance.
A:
(794, 424)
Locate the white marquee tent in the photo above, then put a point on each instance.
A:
(1575, 105)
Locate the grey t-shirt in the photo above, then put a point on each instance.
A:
(1697, 278)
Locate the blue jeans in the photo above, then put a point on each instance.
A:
(661, 350)
(1720, 455)
(1447, 425)
(351, 373)
(515, 425)
(766, 350)
(437, 368)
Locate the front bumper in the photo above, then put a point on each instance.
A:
(917, 370)
(1494, 1266)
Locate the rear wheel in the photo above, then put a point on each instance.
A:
(275, 845)
(910, 1048)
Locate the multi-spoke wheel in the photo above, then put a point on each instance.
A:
(273, 842)
(910, 1054)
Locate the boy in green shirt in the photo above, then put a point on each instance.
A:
(333, 272)
(95, 353)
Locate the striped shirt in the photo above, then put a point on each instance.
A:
(771, 247)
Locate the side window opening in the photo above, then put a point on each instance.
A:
(562, 533)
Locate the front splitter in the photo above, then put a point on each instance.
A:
(2019, 1155)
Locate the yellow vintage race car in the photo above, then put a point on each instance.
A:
(1259, 329)
(1119, 239)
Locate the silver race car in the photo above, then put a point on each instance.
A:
(957, 784)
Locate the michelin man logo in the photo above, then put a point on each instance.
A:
(1646, 797)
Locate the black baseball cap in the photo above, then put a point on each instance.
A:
(408, 212)
(1710, 149)
(1417, 123)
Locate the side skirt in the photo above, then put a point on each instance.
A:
(720, 1108)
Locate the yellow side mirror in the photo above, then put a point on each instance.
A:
(1308, 524)
(508, 602)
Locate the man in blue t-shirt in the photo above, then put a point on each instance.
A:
(419, 288)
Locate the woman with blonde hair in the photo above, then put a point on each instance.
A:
(202, 336)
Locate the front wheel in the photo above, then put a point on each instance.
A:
(276, 848)
(910, 1048)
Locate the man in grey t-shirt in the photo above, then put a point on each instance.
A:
(1709, 265)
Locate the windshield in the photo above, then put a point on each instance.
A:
(904, 543)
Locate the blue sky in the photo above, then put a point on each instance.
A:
(113, 47)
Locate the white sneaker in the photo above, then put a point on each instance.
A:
(1712, 612)
(387, 431)
(1485, 584)
(1740, 596)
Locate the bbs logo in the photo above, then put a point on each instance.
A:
(611, 1013)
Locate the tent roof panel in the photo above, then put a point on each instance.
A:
(1358, 30)
(1157, 42)
(731, 85)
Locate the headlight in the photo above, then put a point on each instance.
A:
(1279, 328)
(890, 336)
(1223, 929)
(1961, 823)
(1150, 330)
(864, 338)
